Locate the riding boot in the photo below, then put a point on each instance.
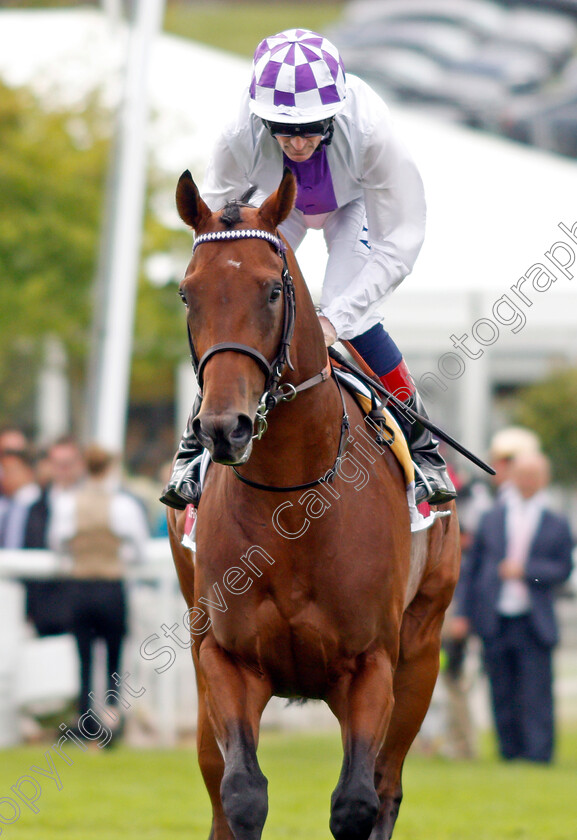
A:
(183, 487)
(432, 481)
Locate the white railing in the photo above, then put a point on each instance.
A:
(40, 673)
(37, 672)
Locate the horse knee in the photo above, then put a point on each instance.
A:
(354, 809)
(245, 801)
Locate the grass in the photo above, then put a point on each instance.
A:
(240, 26)
(123, 794)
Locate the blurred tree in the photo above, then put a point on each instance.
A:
(53, 170)
(46, 4)
(550, 408)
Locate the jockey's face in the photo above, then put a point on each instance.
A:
(299, 148)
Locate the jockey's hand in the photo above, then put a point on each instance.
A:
(329, 331)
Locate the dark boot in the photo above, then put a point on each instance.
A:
(432, 482)
(184, 486)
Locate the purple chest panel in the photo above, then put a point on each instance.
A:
(315, 193)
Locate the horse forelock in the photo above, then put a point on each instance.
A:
(231, 213)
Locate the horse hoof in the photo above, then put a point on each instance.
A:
(245, 802)
(354, 811)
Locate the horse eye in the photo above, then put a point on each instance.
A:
(182, 297)
(275, 294)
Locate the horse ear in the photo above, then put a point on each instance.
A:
(278, 205)
(191, 208)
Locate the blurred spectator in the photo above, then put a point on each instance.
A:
(100, 527)
(48, 602)
(460, 742)
(475, 498)
(63, 469)
(506, 444)
(13, 439)
(19, 492)
(520, 554)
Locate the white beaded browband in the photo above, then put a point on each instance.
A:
(251, 233)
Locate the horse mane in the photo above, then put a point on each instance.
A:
(231, 215)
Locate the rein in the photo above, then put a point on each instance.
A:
(274, 392)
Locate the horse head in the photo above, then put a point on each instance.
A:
(234, 290)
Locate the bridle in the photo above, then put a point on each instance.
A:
(272, 371)
(274, 392)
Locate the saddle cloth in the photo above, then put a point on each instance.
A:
(369, 402)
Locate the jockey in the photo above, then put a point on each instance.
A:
(356, 182)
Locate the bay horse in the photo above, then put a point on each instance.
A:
(302, 585)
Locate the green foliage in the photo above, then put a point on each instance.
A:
(160, 328)
(238, 27)
(550, 407)
(45, 4)
(52, 169)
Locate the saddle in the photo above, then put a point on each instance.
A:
(379, 420)
(386, 430)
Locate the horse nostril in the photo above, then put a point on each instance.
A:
(229, 431)
(203, 438)
(242, 432)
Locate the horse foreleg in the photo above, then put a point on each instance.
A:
(363, 706)
(236, 698)
(211, 765)
(415, 676)
(413, 686)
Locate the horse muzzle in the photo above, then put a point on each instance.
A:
(228, 437)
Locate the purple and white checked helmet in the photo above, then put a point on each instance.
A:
(298, 77)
